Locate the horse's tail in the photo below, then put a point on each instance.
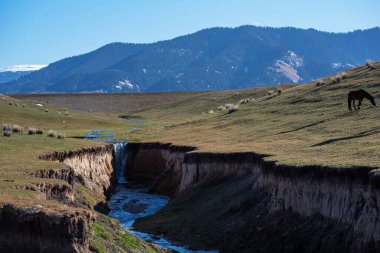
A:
(349, 103)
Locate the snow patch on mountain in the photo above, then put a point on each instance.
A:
(21, 68)
(287, 70)
(126, 85)
(287, 66)
(339, 65)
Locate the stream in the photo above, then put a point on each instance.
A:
(132, 201)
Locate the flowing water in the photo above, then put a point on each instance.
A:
(130, 202)
(120, 161)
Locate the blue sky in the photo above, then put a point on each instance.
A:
(43, 31)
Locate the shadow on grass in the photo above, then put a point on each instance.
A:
(303, 127)
(359, 135)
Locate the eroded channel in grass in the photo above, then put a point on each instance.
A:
(132, 201)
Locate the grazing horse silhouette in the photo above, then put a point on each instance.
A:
(359, 95)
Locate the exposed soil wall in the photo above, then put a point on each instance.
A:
(39, 231)
(90, 166)
(337, 208)
(36, 230)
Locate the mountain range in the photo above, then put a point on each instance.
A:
(16, 71)
(211, 59)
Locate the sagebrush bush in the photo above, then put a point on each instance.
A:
(7, 127)
(7, 133)
(60, 136)
(52, 133)
(39, 131)
(279, 91)
(221, 108)
(228, 106)
(371, 64)
(55, 134)
(234, 108)
(319, 82)
(32, 130)
(270, 92)
(339, 77)
(16, 128)
(244, 101)
(12, 128)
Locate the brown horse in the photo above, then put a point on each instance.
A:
(359, 95)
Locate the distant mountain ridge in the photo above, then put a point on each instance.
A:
(211, 59)
(15, 72)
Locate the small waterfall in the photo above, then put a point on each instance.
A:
(120, 161)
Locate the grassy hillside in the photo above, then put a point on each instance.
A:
(121, 103)
(304, 125)
(18, 158)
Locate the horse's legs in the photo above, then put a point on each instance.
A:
(353, 103)
(360, 103)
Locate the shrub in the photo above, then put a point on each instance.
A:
(7, 133)
(32, 130)
(339, 77)
(244, 101)
(39, 131)
(371, 64)
(319, 82)
(10, 103)
(56, 134)
(211, 111)
(7, 127)
(279, 91)
(52, 133)
(270, 92)
(16, 129)
(234, 108)
(221, 108)
(228, 106)
(60, 136)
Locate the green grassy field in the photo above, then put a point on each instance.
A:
(304, 125)
(19, 157)
(19, 152)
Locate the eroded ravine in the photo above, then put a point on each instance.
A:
(239, 202)
(235, 202)
(132, 201)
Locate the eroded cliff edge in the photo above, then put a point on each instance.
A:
(64, 227)
(238, 202)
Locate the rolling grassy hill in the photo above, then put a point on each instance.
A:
(19, 159)
(304, 125)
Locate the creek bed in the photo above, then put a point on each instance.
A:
(132, 202)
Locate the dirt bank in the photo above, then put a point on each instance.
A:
(238, 202)
(66, 229)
